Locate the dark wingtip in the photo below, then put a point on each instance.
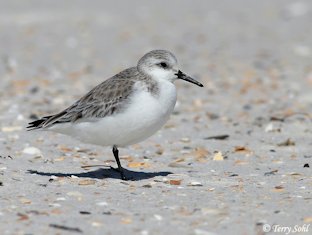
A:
(37, 124)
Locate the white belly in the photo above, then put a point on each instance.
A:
(145, 115)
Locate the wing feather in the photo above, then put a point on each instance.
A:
(108, 98)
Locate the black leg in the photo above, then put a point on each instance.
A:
(115, 152)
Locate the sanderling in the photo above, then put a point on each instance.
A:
(125, 109)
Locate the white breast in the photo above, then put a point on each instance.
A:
(145, 115)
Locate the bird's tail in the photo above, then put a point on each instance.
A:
(47, 121)
(37, 124)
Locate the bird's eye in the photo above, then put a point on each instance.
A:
(163, 64)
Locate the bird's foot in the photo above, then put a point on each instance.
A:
(122, 176)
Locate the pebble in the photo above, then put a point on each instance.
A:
(11, 128)
(96, 224)
(158, 217)
(87, 182)
(55, 205)
(20, 117)
(269, 127)
(185, 140)
(175, 182)
(85, 212)
(75, 194)
(101, 203)
(144, 232)
(61, 199)
(178, 165)
(218, 156)
(203, 232)
(195, 183)
(32, 151)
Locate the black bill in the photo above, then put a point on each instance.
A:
(187, 78)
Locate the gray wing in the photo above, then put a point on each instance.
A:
(108, 98)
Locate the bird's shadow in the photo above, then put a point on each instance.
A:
(103, 173)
